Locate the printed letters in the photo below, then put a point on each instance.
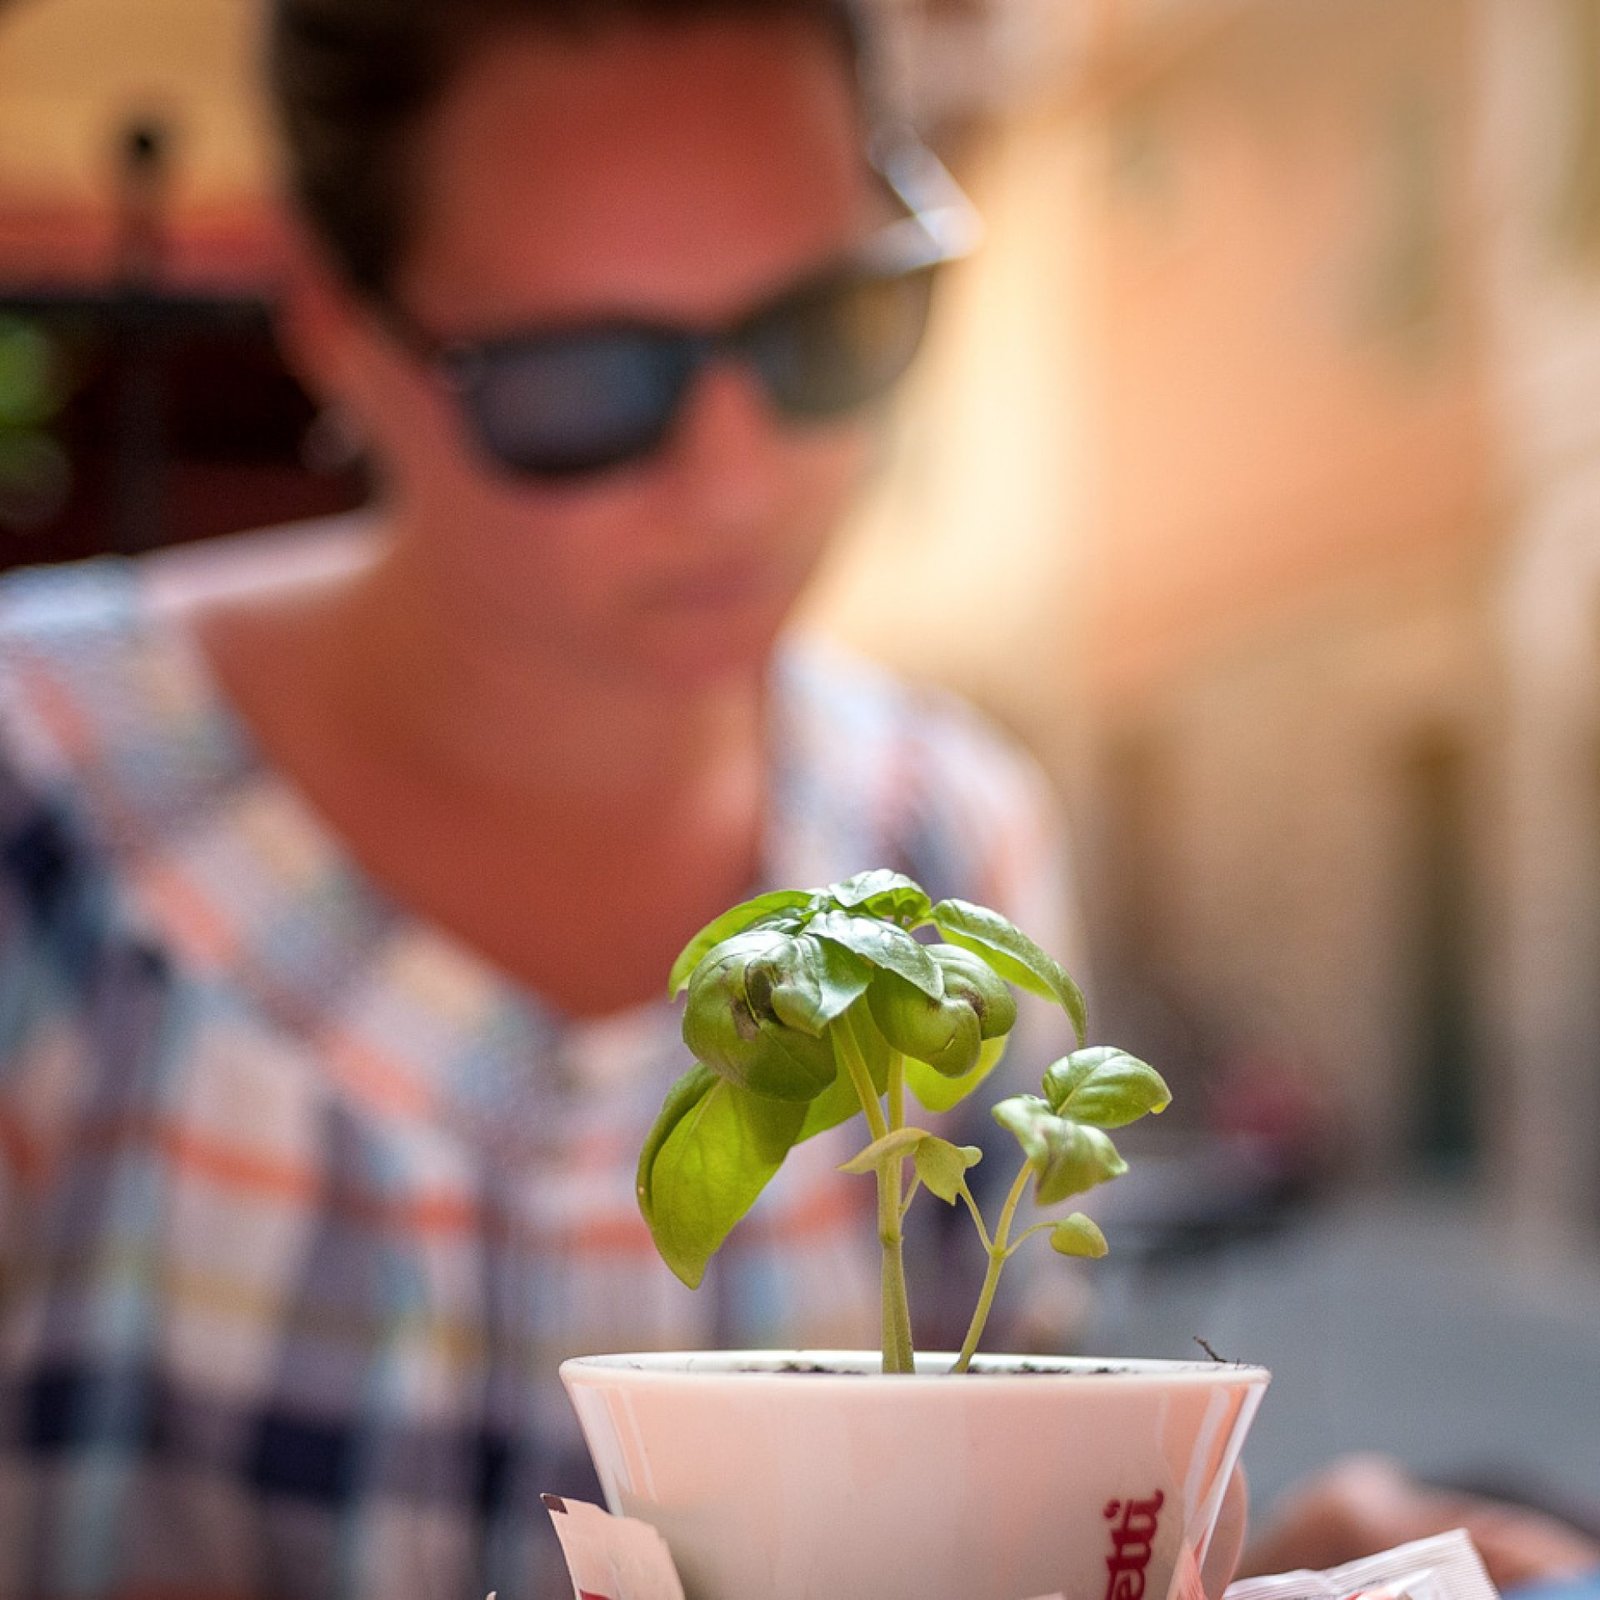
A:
(1133, 1534)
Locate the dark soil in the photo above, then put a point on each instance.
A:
(1040, 1369)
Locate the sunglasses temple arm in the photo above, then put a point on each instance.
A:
(922, 183)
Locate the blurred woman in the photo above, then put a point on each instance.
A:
(340, 869)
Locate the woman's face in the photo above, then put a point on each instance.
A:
(680, 175)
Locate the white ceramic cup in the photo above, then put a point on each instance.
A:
(1088, 1479)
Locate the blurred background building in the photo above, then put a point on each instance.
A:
(1270, 525)
(1253, 477)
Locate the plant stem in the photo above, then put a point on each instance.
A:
(998, 1255)
(896, 1303)
(1028, 1233)
(898, 1355)
(847, 1050)
(977, 1215)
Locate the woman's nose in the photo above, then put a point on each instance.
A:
(726, 448)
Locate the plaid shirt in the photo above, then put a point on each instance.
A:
(300, 1202)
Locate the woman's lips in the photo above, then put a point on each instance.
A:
(724, 586)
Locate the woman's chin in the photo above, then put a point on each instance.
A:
(716, 637)
(715, 651)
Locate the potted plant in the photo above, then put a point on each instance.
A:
(799, 1475)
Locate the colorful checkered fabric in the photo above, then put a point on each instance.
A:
(300, 1203)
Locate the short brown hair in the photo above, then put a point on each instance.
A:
(353, 80)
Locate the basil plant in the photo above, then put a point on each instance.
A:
(807, 1008)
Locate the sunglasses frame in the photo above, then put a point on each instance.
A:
(940, 224)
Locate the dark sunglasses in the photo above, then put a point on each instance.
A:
(561, 402)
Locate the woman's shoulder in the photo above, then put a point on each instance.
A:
(95, 691)
(101, 680)
(855, 716)
(57, 607)
(65, 632)
(184, 578)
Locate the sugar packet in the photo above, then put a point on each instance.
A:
(1444, 1567)
(612, 1558)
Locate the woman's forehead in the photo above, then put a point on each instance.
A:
(675, 170)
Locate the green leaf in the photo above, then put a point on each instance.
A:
(1012, 954)
(884, 945)
(839, 1101)
(713, 1149)
(935, 1092)
(815, 982)
(895, 1146)
(882, 893)
(1067, 1158)
(765, 907)
(1104, 1087)
(971, 980)
(942, 1166)
(729, 1024)
(1078, 1236)
(944, 1033)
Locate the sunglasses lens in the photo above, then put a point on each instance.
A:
(560, 405)
(557, 406)
(835, 346)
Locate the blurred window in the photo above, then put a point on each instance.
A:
(1443, 1111)
(130, 419)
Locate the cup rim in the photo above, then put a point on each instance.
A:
(783, 1366)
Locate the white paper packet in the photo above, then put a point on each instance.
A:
(612, 1558)
(1444, 1567)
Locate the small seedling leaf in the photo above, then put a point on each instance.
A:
(1104, 1087)
(1067, 1157)
(942, 1166)
(1077, 1235)
(894, 1146)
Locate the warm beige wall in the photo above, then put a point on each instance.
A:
(962, 566)
(1295, 389)
(1166, 406)
(73, 72)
